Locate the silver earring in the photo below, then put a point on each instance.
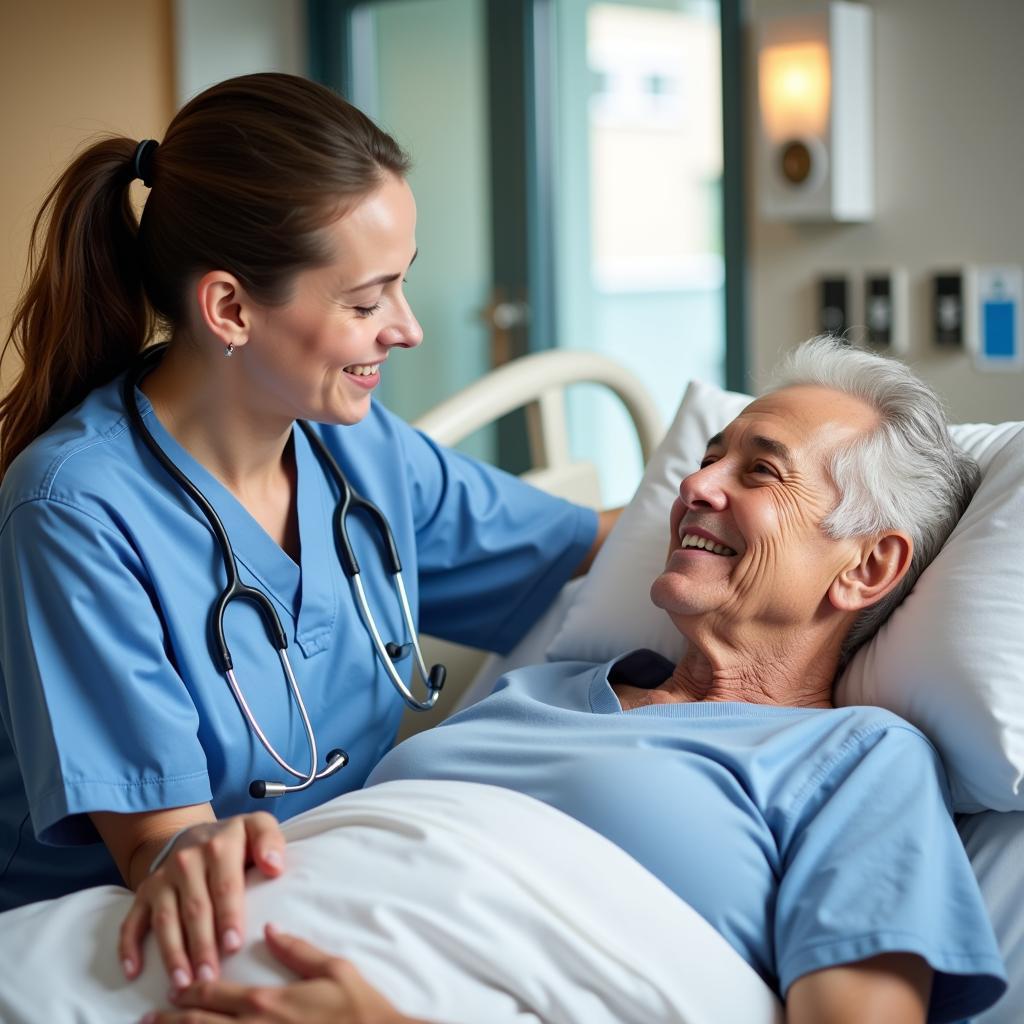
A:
(229, 349)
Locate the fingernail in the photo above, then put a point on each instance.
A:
(180, 978)
(128, 966)
(232, 941)
(273, 858)
(205, 973)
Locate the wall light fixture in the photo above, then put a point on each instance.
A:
(815, 111)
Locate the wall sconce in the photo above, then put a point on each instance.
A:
(815, 103)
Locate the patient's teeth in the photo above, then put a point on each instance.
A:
(691, 540)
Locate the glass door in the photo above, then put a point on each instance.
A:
(568, 169)
(640, 265)
(453, 80)
(418, 68)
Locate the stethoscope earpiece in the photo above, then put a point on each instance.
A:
(436, 678)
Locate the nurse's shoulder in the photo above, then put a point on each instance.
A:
(82, 460)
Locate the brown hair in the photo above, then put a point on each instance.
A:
(247, 174)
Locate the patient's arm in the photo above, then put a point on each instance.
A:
(890, 987)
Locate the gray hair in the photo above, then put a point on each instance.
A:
(906, 474)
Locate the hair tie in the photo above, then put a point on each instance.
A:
(142, 163)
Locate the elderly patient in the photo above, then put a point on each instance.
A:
(817, 840)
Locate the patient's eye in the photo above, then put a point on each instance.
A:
(365, 311)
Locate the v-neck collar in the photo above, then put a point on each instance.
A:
(305, 592)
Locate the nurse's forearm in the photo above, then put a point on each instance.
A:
(194, 899)
(134, 840)
(605, 521)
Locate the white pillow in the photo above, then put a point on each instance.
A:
(951, 657)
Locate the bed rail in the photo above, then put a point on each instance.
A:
(538, 383)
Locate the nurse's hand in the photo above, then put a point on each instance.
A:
(332, 992)
(195, 900)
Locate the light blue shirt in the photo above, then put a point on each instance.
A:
(110, 698)
(807, 837)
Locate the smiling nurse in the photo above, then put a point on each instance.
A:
(272, 248)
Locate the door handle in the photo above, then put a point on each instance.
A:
(503, 317)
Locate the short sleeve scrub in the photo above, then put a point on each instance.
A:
(110, 698)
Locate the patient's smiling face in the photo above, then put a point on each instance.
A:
(759, 499)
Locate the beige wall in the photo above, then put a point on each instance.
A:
(949, 135)
(70, 69)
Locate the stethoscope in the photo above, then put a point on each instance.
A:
(349, 500)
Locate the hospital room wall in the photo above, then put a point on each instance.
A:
(949, 149)
(948, 153)
(70, 70)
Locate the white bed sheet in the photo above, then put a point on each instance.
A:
(461, 902)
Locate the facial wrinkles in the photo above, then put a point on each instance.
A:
(788, 526)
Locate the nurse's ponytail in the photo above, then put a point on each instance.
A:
(83, 316)
(246, 178)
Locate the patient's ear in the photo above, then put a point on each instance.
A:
(882, 563)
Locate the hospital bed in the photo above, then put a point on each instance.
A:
(466, 903)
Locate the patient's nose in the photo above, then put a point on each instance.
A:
(704, 489)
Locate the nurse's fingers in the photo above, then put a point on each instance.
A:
(129, 942)
(226, 880)
(196, 907)
(265, 842)
(166, 922)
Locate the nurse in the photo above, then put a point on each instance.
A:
(272, 250)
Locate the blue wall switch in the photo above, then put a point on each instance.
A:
(998, 339)
(994, 317)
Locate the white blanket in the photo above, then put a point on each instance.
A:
(460, 902)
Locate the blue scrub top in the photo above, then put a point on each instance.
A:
(110, 697)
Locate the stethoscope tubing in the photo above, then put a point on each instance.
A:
(349, 500)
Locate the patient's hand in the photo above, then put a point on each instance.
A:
(332, 992)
